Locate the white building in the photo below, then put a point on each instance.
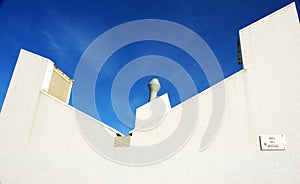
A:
(44, 140)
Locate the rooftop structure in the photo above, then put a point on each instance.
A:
(44, 140)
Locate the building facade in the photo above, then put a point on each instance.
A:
(44, 140)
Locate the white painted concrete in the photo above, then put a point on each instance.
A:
(151, 127)
(40, 141)
(154, 87)
(152, 110)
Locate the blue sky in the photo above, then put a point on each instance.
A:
(62, 30)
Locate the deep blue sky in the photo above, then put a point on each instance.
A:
(61, 31)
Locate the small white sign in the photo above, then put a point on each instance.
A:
(272, 142)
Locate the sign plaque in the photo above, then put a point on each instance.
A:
(272, 142)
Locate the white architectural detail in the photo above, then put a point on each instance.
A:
(40, 141)
(154, 87)
(151, 127)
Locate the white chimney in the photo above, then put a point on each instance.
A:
(153, 87)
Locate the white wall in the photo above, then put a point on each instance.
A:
(46, 145)
(30, 76)
(151, 127)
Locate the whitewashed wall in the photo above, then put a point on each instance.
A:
(40, 141)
